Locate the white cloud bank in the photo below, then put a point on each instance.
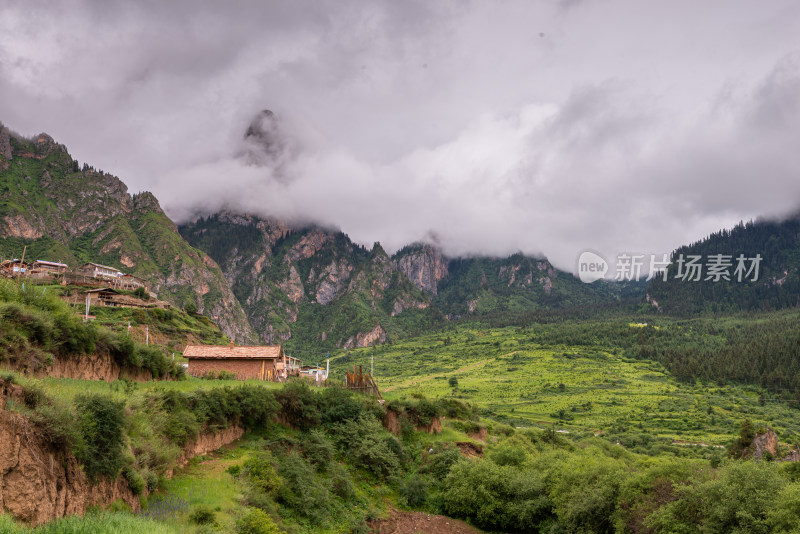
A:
(536, 126)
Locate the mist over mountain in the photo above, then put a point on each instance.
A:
(533, 127)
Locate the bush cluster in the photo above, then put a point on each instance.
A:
(36, 327)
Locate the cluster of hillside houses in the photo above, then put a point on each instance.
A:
(267, 362)
(86, 274)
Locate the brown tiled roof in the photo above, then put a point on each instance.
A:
(226, 351)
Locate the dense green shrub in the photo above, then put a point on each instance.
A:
(301, 489)
(141, 293)
(214, 407)
(256, 521)
(261, 475)
(256, 405)
(341, 482)
(202, 515)
(319, 450)
(414, 491)
(180, 426)
(101, 421)
(439, 464)
(368, 445)
(585, 489)
(740, 500)
(135, 481)
(337, 405)
(299, 406)
(496, 497)
(56, 422)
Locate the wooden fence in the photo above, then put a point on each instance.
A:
(357, 380)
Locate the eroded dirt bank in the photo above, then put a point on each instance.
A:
(39, 483)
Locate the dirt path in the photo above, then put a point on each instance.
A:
(400, 522)
(416, 381)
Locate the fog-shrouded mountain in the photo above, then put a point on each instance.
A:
(261, 279)
(307, 281)
(315, 287)
(774, 284)
(66, 212)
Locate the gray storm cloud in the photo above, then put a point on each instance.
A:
(537, 126)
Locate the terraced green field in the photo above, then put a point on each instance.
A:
(524, 379)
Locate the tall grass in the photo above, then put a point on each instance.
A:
(96, 523)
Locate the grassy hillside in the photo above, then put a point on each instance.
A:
(584, 377)
(75, 214)
(635, 450)
(334, 469)
(36, 326)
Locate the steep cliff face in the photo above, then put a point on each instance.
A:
(74, 214)
(424, 265)
(307, 285)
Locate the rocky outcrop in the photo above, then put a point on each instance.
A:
(332, 281)
(46, 145)
(292, 287)
(19, 226)
(366, 339)
(766, 442)
(424, 265)
(308, 245)
(403, 303)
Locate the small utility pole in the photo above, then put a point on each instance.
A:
(372, 362)
(88, 297)
(22, 261)
(147, 335)
(129, 329)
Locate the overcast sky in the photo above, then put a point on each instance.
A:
(547, 127)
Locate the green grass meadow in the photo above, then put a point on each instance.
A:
(516, 379)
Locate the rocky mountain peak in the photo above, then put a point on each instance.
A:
(146, 201)
(265, 143)
(423, 264)
(46, 145)
(378, 251)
